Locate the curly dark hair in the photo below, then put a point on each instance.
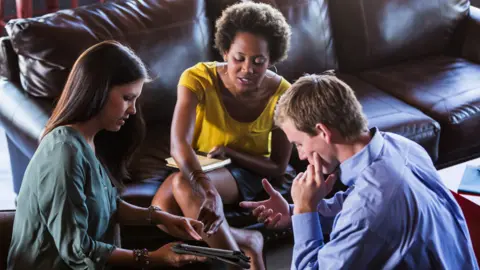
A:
(256, 18)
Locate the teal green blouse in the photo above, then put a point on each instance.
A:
(65, 210)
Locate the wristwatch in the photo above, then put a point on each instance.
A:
(151, 209)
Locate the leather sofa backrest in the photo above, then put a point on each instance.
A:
(373, 33)
(470, 49)
(312, 48)
(169, 36)
(6, 227)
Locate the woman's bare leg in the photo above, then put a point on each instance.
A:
(176, 196)
(250, 242)
(164, 197)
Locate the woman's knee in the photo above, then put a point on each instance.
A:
(180, 187)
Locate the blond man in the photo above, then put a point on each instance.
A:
(395, 214)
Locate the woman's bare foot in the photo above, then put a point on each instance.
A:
(250, 242)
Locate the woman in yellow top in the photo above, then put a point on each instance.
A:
(226, 110)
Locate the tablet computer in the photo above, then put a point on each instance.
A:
(228, 256)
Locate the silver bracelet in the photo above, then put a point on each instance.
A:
(151, 209)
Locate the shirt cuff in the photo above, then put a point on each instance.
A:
(306, 227)
(101, 254)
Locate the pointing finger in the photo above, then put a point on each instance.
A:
(191, 231)
(268, 187)
(318, 167)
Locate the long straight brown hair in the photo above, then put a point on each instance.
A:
(96, 71)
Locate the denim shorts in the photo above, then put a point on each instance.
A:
(249, 184)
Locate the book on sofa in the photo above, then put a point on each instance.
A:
(208, 164)
(470, 183)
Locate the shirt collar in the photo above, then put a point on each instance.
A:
(353, 166)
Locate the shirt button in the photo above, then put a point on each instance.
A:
(98, 259)
(105, 188)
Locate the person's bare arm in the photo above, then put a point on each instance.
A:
(164, 256)
(183, 125)
(181, 227)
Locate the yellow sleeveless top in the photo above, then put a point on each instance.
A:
(214, 126)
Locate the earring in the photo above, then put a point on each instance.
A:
(276, 71)
(226, 66)
(226, 70)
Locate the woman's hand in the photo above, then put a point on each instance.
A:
(165, 256)
(211, 212)
(219, 151)
(181, 227)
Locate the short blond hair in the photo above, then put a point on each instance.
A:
(325, 99)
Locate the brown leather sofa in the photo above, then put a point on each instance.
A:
(415, 66)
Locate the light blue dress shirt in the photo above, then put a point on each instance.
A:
(396, 214)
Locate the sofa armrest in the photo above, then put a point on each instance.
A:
(8, 61)
(471, 45)
(22, 116)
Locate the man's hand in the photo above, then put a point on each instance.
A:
(211, 212)
(181, 227)
(274, 212)
(165, 256)
(310, 187)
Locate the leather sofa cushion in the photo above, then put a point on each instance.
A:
(47, 46)
(6, 227)
(149, 160)
(391, 114)
(141, 193)
(312, 47)
(445, 88)
(374, 33)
